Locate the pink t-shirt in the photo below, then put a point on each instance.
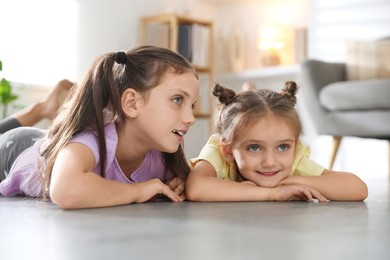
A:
(24, 179)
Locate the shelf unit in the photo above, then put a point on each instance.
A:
(173, 21)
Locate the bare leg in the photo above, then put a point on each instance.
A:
(47, 107)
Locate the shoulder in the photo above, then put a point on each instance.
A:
(210, 152)
(303, 165)
(302, 150)
(214, 140)
(90, 139)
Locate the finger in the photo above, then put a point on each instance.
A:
(171, 194)
(180, 188)
(172, 184)
(319, 196)
(307, 193)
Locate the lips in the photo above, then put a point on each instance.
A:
(268, 173)
(180, 133)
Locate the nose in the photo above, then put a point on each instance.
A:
(189, 118)
(268, 159)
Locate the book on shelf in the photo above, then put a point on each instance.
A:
(184, 45)
(193, 43)
(200, 45)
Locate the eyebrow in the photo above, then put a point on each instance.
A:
(287, 141)
(186, 94)
(261, 141)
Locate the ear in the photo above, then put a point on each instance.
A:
(226, 151)
(130, 102)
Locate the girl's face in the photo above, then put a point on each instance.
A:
(264, 151)
(167, 114)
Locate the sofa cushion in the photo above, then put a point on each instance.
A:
(356, 95)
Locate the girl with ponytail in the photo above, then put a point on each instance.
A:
(118, 139)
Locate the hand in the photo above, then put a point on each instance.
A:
(177, 184)
(149, 189)
(296, 192)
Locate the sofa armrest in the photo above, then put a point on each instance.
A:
(317, 74)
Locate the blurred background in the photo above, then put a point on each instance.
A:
(263, 41)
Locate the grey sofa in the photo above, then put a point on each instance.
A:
(339, 107)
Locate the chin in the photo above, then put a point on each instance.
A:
(172, 150)
(267, 184)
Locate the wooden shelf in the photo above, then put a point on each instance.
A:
(265, 72)
(267, 77)
(201, 115)
(202, 69)
(171, 23)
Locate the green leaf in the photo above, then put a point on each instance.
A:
(6, 95)
(1, 66)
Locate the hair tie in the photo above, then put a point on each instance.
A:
(121, 57)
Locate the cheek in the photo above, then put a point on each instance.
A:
(238, 158)
(244, 162)
(288, 160)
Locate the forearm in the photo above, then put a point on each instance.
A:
(334, 186)
(214, 189)
(89, 190)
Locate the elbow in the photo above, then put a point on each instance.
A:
(193, 193)
(364, 192)
(361, 190)
(64, 199)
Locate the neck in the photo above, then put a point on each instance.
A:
(130, 152)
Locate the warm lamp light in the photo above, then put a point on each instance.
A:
(270, 41)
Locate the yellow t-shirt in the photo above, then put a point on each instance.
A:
(211, 152)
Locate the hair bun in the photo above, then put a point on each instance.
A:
(290, 90)
(224, 95)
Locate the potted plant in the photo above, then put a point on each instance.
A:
(6, 94)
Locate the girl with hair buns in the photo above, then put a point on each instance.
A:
(257, 155)
(118, 138)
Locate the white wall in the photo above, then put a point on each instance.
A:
(334, 22)
(43, 41)
(47, 40)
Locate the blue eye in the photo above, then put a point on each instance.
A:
(254, 148)
(283, 147)
(177, 100)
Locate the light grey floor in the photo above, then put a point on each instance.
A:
(32, 229)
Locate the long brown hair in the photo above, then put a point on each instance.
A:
(238, 111)
(96, 100)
